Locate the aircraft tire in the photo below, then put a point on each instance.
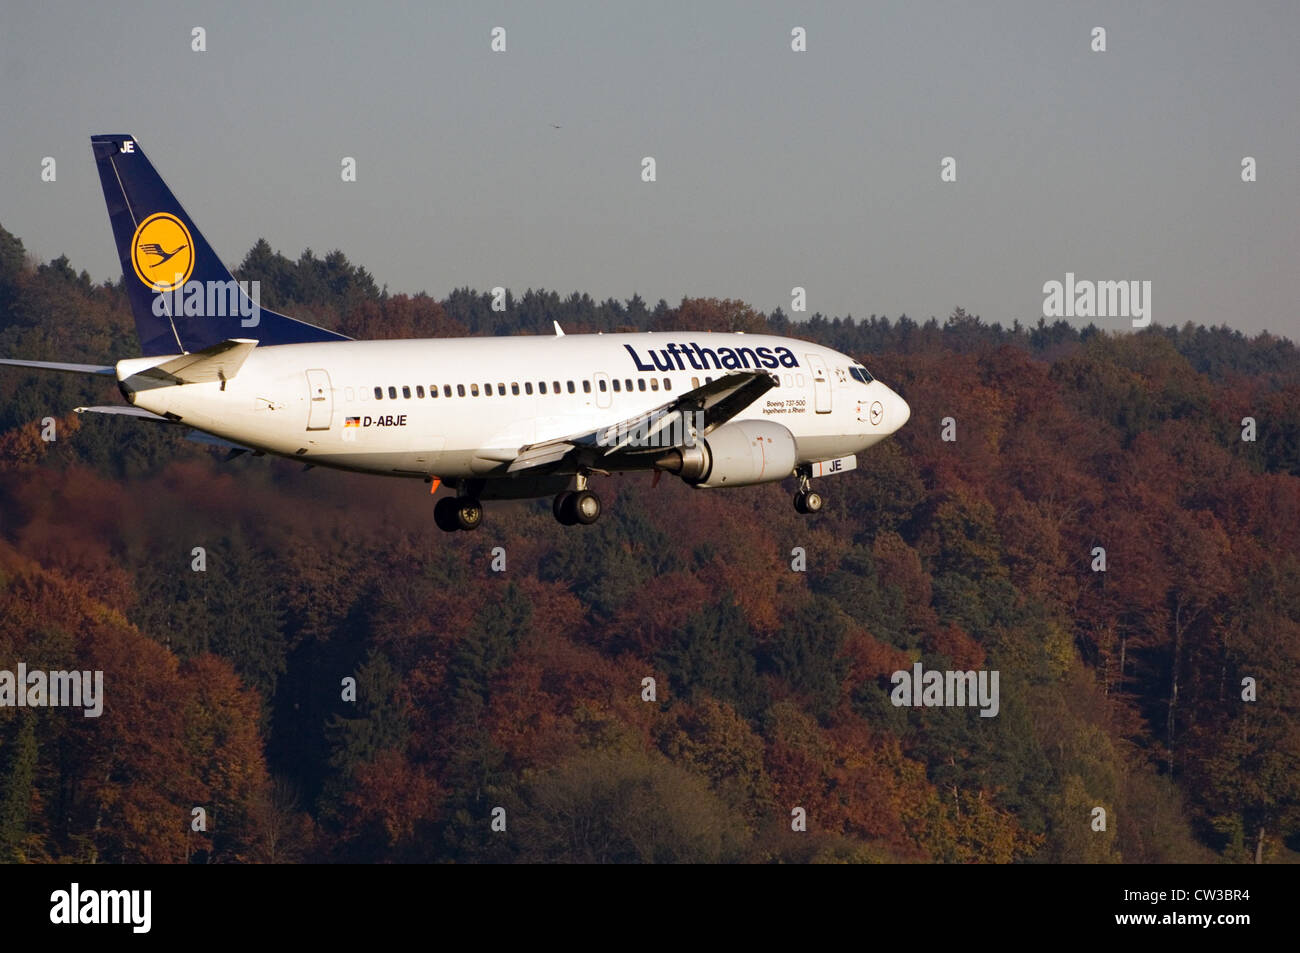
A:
(562, 510)
(469, 512)
(444, 515)
(585, 507)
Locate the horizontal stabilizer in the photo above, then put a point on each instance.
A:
(220, 362)
(118, 410)
(198, 436)
(99, 369)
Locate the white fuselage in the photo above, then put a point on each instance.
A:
(367, 405)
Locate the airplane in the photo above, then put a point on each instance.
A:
(492, 418)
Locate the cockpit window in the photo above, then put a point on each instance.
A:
(861, 374)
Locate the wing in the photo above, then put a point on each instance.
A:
(99, 369)
(697, 412)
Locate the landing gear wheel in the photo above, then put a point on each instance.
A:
(585, 507)
(562, 510)
(469, 512)
(806, 499)
(809, 501)
(444, 514)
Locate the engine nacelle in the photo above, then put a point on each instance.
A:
(741, 453)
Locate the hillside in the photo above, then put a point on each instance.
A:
(523, 689)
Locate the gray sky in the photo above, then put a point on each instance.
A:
(775, 168)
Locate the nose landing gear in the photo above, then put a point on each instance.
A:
(807, 500)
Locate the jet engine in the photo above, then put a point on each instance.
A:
(741, 453)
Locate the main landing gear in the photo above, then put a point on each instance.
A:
(807, 500)
(457, 512)
(577, 507)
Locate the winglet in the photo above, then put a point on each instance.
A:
(559, 331)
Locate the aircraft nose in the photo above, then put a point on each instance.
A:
(902, 412)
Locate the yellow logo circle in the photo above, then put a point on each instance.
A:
(162, 252)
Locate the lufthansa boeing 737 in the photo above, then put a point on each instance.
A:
(492, 418)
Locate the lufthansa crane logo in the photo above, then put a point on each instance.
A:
(877, 413)
(162, 252)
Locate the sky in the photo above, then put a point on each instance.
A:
(774, 168)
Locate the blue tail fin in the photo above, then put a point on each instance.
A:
(182, 296)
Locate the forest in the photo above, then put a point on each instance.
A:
(229, 603)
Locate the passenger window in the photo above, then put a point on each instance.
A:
(603, 386)
(433, 390)
(514, 388)
(501, 390)
(406, 392)
(708, 380)
(419, 390)
(392, 393)
(629, 385)
(555, 387)
(586, 386)
(349, 394)
(528, 387)
(473, 390)
(640, 383)
(460, 390)
(668, 383)
(789, 381)
(654, 383)
(364, 394)
(379, 393)
(571, 390)
(446, 390)
(798, 379)
(616, 382)
(541, 387)
(695, 382)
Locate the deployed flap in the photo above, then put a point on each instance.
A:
(713, 404)
(99, 369)
(220, 362)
